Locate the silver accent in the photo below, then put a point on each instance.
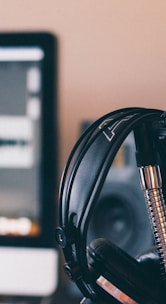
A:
(150, 177)
(110, 131)
(83, 301)
(151, 183)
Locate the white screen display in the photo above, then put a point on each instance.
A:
(20, 136)
(28, 255)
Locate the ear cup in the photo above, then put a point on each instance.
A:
(150, 262)
(121, 275)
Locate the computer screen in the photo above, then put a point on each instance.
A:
(28, 163)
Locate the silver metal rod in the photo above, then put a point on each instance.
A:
(151, 183)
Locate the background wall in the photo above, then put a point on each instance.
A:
(112, 54)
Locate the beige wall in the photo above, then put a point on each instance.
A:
(112, 53)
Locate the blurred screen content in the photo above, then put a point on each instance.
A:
(20, 140)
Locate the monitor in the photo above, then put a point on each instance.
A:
(28, 163)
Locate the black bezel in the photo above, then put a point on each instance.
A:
(48, 42)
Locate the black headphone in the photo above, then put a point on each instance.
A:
(103, 272)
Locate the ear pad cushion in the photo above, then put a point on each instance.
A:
(123, 271)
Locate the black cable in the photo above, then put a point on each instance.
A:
(146, 153)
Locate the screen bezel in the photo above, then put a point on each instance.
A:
(48, 43)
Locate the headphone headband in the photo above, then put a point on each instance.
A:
(82, 181)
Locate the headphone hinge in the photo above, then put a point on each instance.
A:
(72, 270)
(65, 237)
